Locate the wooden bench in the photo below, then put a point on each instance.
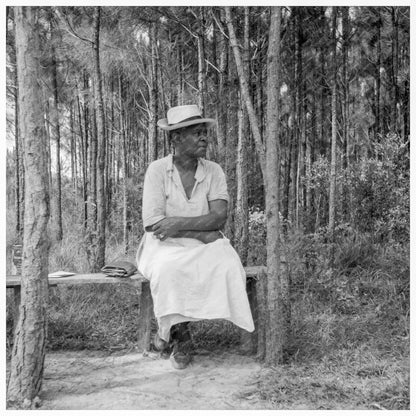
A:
(146, 302)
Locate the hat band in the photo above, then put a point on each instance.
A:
(186, 119)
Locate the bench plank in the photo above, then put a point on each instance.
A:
(80, 279)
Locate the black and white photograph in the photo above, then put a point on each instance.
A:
(207, 207)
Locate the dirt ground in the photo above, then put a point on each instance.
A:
(92, 380)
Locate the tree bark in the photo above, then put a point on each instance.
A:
(221, 106)
(123, 140)
(83, 163)
(394, 70)
(19, 172)
(332, 185)
(101, 145)
(153, 142)
(241, 208)
(230, 149)
(201, 62)
(28, 353)
(278, 306)
(378, 115)
(57, 133)
(346, 192)
(294, 157)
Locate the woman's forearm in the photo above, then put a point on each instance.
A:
(208, 222)
(204, 236)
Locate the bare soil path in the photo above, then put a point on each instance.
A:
(93, 380)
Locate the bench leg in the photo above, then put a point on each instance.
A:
(145, 317)
(248, 340)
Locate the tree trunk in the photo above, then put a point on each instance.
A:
(19, 172)
(332, 186)
(57, 133)
(278, 306)
(245, 91)
(221, 106)
(72, 148)
(153, 145)
(323, 89)
(91, 133)
(294, 157)
(201, 62)
(394, 69)
(101, 145)
(378, 115)
(230, 149)
(28, 355)
(241, 208)
(83, 163)
(125, 168)
(345, 104)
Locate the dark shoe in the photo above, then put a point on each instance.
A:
(181, 355)
(180, 332)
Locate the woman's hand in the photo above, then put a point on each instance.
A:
(165, 228)
(210, 236)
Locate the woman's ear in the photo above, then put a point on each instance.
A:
(174, 137)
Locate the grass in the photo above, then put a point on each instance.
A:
(350, 326)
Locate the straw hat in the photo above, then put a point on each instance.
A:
(183, 116)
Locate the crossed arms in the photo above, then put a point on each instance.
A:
(204, 227)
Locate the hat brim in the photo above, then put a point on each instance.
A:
(163, 123)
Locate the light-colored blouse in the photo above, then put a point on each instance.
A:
(164, 194)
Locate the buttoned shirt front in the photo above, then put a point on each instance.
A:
(164, 194)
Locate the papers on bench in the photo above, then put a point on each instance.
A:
(60, 273)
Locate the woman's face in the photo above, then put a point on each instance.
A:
(191, 141)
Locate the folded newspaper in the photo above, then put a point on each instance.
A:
(119, 268)
(60, 273)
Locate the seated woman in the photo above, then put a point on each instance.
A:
(193, 270)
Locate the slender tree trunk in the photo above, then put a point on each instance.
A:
(294, 162)
(101, 144)
(332, 186)
(394, 68)
(57, 133)
(241, 209)
(345, 104)
(92, 154)
(19, 173)
(28, 354)
(323, 89)
(245, 91)
(47, 124)
(123, 140)
(278, 306)
(221, 106)
(230, 149)
(153, 144)
(83, 164)
(109, 150)
(201, 62)
(378, 115)
(300, 199)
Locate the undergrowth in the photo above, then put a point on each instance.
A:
(349, 344)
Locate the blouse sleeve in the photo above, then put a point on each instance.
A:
(154, 197)
(218, 186)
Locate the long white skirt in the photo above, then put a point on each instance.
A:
(190, 281)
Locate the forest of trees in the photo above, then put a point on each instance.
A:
(329, 157)
(108, 77)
